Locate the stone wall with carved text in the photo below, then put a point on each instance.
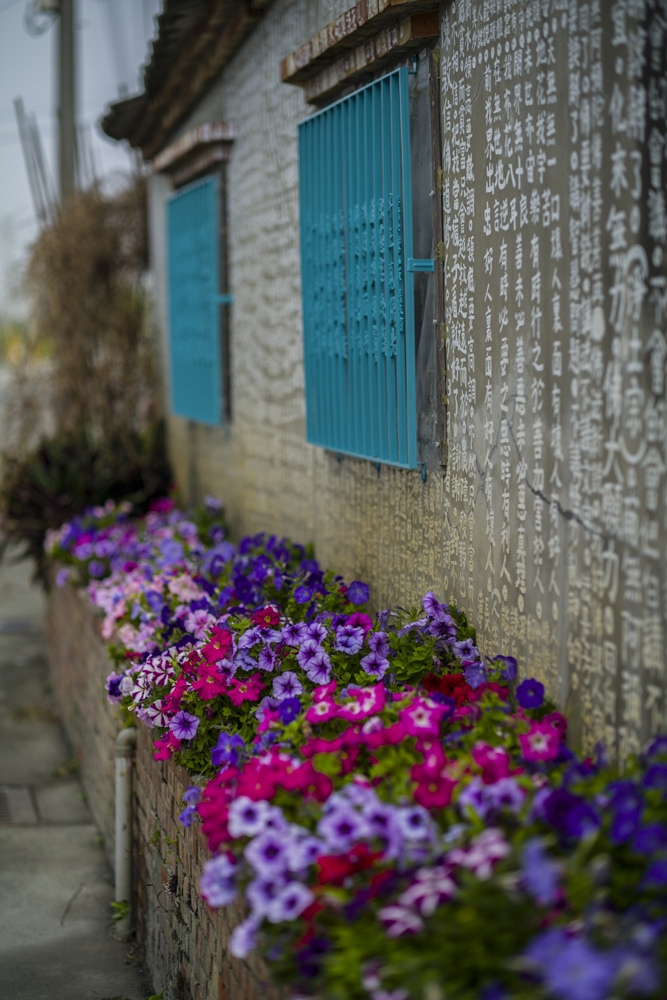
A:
(549, 522)
(556, 289)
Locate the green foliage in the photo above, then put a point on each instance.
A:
(120, 910)
(64, 475)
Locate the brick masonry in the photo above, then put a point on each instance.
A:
(79, 665)
(184, 943)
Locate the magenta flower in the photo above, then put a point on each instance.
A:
(184, 726)
(422, 717)
(248, 690)
(322, 710)
(540, 743)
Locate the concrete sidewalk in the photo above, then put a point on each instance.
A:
(55, 884)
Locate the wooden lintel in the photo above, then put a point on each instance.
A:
(346, 33)
(194, 166)
(403, 36)
(194, 141)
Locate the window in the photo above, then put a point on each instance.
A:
(196, 305)
(357, 281)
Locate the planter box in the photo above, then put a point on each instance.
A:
(79, 665)
(184, 943)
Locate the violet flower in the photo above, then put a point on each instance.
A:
(183, 725)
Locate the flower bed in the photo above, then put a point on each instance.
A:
(396, 815)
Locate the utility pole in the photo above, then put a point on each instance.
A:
(66, 98)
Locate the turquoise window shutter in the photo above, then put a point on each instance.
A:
(358, 299)
(194, 302)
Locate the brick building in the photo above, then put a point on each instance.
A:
(410, 283)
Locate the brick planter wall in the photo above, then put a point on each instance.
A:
(184, 943)
(79, 665)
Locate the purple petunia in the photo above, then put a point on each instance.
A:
(244, 936)
(650, 838)
(466, 650)
(227, 749)
(289, 902)
(656, 748)
(268, 659)
(192, 795)
(349, 639)
(261, 892)
(432, 607)
(218, 881)
(375, 664)
(289, 709)
(377, 643)
(530, 693)
(341, 827)
(541, 874)
(475, 673)
(247, 817)
(655, 875)
(266, 854)
(626, 806)
(509, 665)
(308, 651)
(580, 972)
(656, 777)
(358, 592)
(183, 725)
(569, 814)
(294, 633)
(318, 668)
(286, 685)
(303, 594)
(112, 687)
(316, 631)
(187, 816)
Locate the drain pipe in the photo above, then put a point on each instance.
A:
(126, 742)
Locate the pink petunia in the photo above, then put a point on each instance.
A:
(494, 761)
(367, 701)
(248, 690)
(199, 622)
(422, 717)
(165, 746)
(320, 711)
(210, 684)
(540, 743)
(359, 618)
(218, 645)
(434, 785)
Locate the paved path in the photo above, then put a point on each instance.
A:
(55, 885)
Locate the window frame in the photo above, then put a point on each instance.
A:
(210, 371)
(343, 441)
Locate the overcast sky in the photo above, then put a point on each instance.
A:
(112, 39)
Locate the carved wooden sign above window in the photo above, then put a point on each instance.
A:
(357, 43)
(194, 153)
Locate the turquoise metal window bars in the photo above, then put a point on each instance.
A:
(195, 349)
(357, 285)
